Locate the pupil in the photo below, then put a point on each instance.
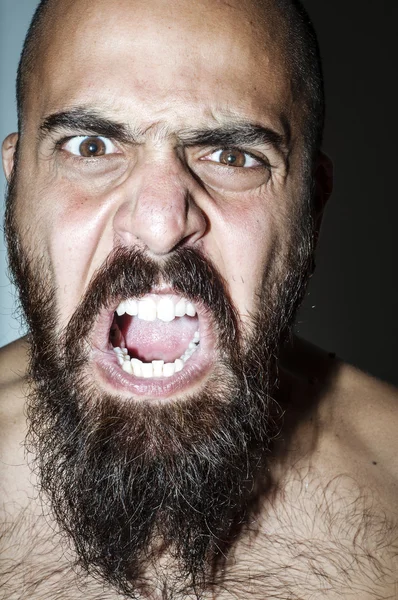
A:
(93, 147)
(231, 159)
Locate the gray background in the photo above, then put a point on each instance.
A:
(352, 300)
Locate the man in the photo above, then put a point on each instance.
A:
(165, 193)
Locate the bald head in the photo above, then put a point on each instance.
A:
(284, 23)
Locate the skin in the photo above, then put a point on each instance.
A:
(140, 196)
(159, 193)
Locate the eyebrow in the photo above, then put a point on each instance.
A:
(234, 133)
(85, 120)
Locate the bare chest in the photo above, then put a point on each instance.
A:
(318, 548)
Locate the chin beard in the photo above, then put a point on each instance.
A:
(153, 495)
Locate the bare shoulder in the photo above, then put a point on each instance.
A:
(13, 364)
(364, 409)
(364, 421)
(13, 468)
(348, 419)
(368, 407)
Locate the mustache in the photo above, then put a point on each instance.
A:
(129, 272)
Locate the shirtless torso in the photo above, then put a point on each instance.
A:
(329, 532)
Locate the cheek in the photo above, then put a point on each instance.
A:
(246, 241)
(80, 243)
(72, 229)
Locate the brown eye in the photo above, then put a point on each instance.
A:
(91, 147)
(233, 158)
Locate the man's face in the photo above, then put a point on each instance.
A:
(191, 166)
(160, 162)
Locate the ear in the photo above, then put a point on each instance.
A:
(323, 187)
(8, 151)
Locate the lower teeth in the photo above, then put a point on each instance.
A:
(156, 368)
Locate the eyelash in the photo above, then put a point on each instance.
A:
(59, 145)
(260, 159)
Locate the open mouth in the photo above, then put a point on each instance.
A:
(161, 340)
(154, 336)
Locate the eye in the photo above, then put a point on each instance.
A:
(89, 146)
(233, 157)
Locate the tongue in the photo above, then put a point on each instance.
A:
(155, 340)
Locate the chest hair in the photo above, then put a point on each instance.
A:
(317, 542)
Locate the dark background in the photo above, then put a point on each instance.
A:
(352, 300)
(354, 290)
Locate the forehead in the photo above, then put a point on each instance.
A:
(192, 59)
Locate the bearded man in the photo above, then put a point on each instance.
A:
(163, 434)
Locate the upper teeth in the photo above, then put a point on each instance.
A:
(165, 308)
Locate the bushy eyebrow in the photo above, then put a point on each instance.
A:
(231, 134)
(235, 134)
(86, 121)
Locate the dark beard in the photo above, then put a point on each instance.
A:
(136, 483)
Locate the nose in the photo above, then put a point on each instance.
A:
(159, 212)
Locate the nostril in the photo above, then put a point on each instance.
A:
(188, 240)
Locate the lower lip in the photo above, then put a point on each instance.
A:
(115, 379)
